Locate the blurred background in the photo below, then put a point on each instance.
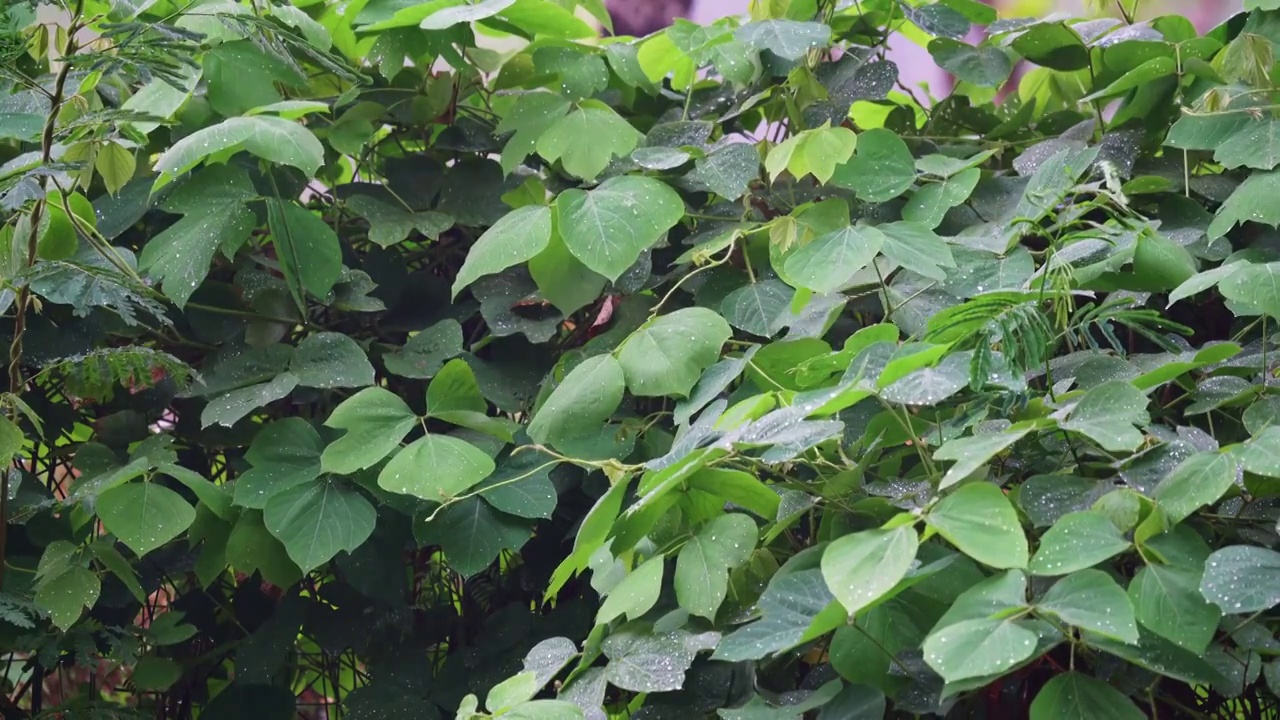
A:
(641, 17)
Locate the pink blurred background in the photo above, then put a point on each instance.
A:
(640, 17)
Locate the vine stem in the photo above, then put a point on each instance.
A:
(23, 301)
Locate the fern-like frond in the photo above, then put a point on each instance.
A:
(97, 374)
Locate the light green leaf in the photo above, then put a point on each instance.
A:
(512, 691)
(1107, 415)
(608, 227)
(702, 567)
(116, 165)
(1242, 579)
(585, 399)
(862, 567)
(970, 453)
(376, 420)
(636, 594)
(1202, 281)
(144, 515)
(517, 237)
(611, 136)
(331, 360)
(1198, 481)
(391, 224)
(435, 467)
(882, 169)
(1091, 600)
(318, 520)
(814, 152)
(978, 519)
(829, 262)
(1076, 696)
(667, 355)
(977, 648)
(1078, 540)
(544, 710)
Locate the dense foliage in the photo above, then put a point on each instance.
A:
(402, 359)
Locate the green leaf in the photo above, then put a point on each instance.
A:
(727, 171)
(929, 205)
(529, 118)
(1256, 286)
(608, 227)
(1198, 481)
(1250, 201)
(376, 420)
(251, 547)
(452, 15)
(881, 170)
(636, 594)
(271, 138)
(212, 204)
(787, 39)
(309, 253)
(1091, 600)
(318, 520)
(986, 66)
(67, 594)
(229, 408)
(586, 397)
(1076, 696)
(472, 534)
(331, 360)
(517, 237)
(144, 515)
(1167, 601)
(1078, 540)
(1242, 579)
(702, 567)
(971, 453)
(390, 224)
(545, 710)
(454, 389)
(1146, 73)
(284, 453)
(666, 356)
(104, 549)
(917, 248)
(978, 519)
(1107, 415)
(611, 136)
(1053, 45)
(512, 691)
(977, 648)
(427, 351)
(862, 567)
(829, 263)
(562, 279)
(814, 152)
(760, 308)
(521, 486)
(435, 467)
